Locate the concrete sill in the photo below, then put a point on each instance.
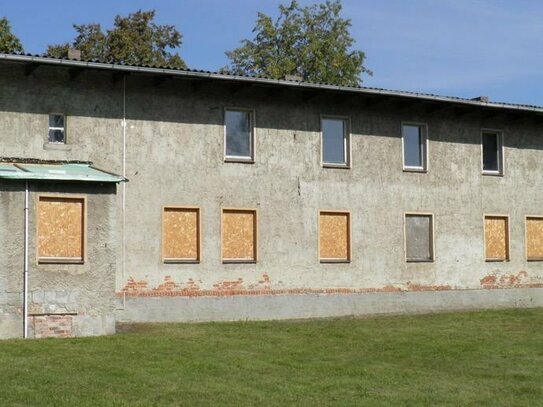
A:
(332, 261)
(419, 170)
(239, 160)
(60, 261)
(337, 166)
(492, 174)
(239, 262)
(180, 261)
(57, 146)
(419, 261)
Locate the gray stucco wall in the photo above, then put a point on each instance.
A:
(174, 156)
(79, 295)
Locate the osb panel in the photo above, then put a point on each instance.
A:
(238, 239)
(334, 236)
(181, 233)
(60, 227)
(496, 238)
(534, 238)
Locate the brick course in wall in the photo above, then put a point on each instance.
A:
(52, 326)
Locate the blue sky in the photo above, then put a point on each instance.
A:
(461, 48)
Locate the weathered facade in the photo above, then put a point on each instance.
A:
(164, 130)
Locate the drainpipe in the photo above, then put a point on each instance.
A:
(25, 269)
(123, 205)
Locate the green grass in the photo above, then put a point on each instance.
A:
(469, 359)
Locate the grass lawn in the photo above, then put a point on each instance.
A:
(480, 358)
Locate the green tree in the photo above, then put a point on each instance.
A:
(9, 43)
(313, 42)
(134, 40)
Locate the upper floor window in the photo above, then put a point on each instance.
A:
(239, 135)
(492, 152)
(414, 147)
(335, 142)
(57, 132)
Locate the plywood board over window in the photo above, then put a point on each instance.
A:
(61, 229)
(180, 234)
(534, 238)
(496, 238)
(334, 236)
(239, 235)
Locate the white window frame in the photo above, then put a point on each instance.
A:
(240, 158)
(432, 237)
(56, 128)
(501, 153)
(346, 141)
(423, 145)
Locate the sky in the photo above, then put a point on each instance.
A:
(464, 48)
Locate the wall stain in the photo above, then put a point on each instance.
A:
(236, 287)
(519, 280)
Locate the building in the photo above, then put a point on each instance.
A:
(252, 198)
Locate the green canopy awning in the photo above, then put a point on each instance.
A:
(79, 172)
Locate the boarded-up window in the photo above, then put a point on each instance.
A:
(419, 244)
(61, 229)
(181, 235)
(334, 237)
(496, 238)
(239, 235)
(534, 238)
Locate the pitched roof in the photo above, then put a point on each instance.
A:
(226, 76)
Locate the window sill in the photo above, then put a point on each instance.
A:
(239, 160)
(181, 261)
(492, 173)
(419, 260)
(533, 260)
(57, 146)
(337, 166)
(53, 260)
(496, 260)
(415, 169)
(239, 261)
(334, 261)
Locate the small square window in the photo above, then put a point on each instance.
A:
(534, 238)
(61, 229)
(334, 237)
(181, 235)
(239, 236)
(496, 238)
(419, 236)
(414, 147)
(239, 135)
(335, 142)
(492, 152)
(57, 133)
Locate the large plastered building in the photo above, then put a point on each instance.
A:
(158, 194)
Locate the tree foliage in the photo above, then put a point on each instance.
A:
(313, 42)
(134, 40)
(9, 43)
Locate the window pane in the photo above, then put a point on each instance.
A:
(333, 141)
(56, 136)
(413, 145)
(238, 133)
(490, 152)
(56, 120)
(418, 230)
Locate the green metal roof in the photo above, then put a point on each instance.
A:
(56, 172)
